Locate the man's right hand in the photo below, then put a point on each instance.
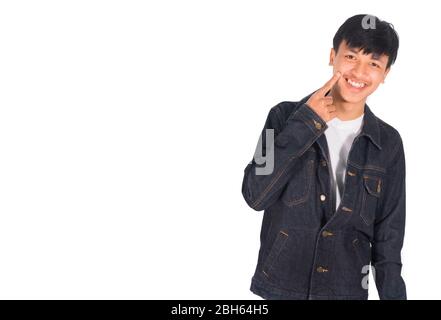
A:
(321, 104)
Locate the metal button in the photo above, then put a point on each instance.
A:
(321, 269)
(323, 162)
(318, 125)
(327, 234)
(322, 197)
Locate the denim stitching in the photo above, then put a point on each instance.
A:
(268, 188)
(303, 198)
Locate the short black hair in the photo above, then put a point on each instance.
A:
(370, 34)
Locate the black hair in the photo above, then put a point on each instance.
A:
(370, 34)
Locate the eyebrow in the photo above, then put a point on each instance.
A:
(375, 56)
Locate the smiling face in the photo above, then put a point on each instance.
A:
(361, 73)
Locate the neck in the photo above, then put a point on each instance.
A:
(347, 110)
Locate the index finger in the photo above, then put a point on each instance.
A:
(328, 85)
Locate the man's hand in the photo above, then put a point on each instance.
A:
(321, 104)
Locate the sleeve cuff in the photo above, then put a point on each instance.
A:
(311, 118)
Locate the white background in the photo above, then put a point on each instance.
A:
(125, 127)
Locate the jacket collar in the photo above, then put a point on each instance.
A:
(370, 127)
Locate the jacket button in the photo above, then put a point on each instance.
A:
(321, 269)
(318, 125)
(323, 162)
(327, 234)
(322, 197)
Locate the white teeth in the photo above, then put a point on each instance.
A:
(356, 84)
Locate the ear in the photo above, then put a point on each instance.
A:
(331, 57)
(385, 74)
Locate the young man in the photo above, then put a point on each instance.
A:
(334, 192)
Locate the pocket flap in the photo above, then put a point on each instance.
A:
(372, 185)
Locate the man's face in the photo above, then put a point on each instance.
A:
(361, 73)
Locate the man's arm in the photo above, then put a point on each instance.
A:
(389, 232)
(292, 138)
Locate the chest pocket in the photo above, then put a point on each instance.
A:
(371, 191)
(300, 184)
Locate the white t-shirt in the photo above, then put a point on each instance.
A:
(340, 135)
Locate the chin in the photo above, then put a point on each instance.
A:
(352, 99)
(353, 94)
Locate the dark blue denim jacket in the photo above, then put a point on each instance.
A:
(308, 250)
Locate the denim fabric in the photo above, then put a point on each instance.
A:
(307, 250)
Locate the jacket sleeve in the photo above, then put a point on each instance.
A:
(389, 232)
(291, 139)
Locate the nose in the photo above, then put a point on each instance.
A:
(359, 71)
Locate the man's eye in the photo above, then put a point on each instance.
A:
(349, 56)
(375, 65)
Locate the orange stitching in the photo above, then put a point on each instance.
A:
(282, 170)
(309, 179)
